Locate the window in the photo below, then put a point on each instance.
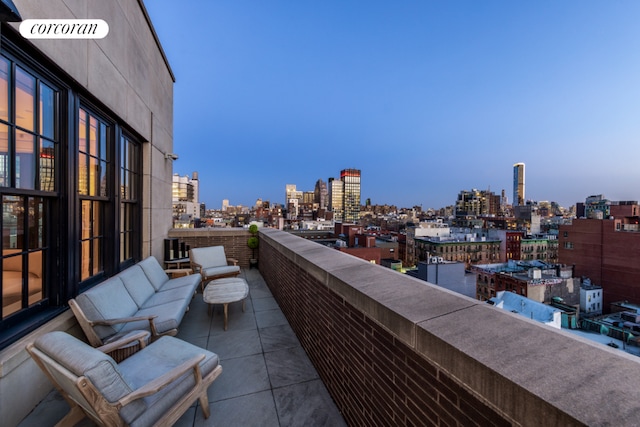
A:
(29, 146)
(70, 191)
(129, 198)
(93, 189)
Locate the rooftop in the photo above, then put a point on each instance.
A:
(267, 378)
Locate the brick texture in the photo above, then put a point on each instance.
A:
(374, 378)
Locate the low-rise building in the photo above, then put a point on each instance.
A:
(535, 280)
(528, 308)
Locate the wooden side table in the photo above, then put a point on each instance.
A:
(178, 272)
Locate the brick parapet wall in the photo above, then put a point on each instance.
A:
(395, 351)
(234, 241)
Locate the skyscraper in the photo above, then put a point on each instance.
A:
(351, 198)
(518, 184)
(336, 192)
(321, 194)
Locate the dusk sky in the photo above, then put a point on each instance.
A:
(426, 98)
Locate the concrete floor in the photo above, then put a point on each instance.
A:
(267, 378)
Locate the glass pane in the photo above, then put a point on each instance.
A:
(25, 99)
(4, 89)
(97, 265)
(82, 131)
(103, 142)
(123, 183)
(93, 176)
(93, 136)
(85, 257)
(5, 163)
(25, 160)
(124, 152)
(103, 179)
(83, 178)
(12, 222)
(11, 284)
(36, 223)
(85, 216)
(47, 165)
(47, 111)
(35, 277)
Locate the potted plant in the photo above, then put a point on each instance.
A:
(252, 242)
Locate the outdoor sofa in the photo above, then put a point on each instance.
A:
(142, 297)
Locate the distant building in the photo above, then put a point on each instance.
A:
(477, 203)
(469, 249)
(542, 248)
(510, 243)
(518, 184)
(536, 280)
(591, 298)
(423, 229)
(606, 251)
(351, 195)
(321, 194)
(439, 272)
(187, 210)
(528, 308)
(336, 198)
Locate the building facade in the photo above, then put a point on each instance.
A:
(336, 198)
(351, 195)
(518, 184)
(605, 251)
(86, 127)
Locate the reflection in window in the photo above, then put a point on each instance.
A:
(23, 249)
(28, 146)
(93, 162)
(25, 99)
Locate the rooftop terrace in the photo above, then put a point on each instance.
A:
(267, 378)
(390, 350)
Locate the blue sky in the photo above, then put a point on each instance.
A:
(427, 98)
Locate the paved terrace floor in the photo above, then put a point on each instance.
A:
(267, 378)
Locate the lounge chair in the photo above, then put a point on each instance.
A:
(153, 387)
(212, 263)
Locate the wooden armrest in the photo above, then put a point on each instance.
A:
(110, 322)
(164, 380)
(232, 261)
(122, 342)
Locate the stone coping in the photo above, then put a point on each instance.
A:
(529, 372)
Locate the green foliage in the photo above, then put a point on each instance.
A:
(253, 229)
(252, 242)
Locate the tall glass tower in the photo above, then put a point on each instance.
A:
(518, 184)
(351, 197)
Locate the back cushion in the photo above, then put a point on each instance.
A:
(212, 256)
(137, 284)
(108, 300)
(82, 359)
(154, 272)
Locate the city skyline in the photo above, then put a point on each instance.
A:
(425, 99)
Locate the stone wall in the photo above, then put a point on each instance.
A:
(394, 350)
